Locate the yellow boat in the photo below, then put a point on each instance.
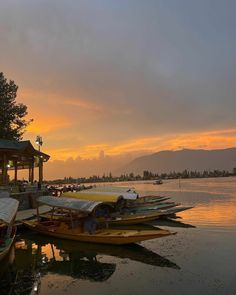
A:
(125, 219)
(83, 229)
(8, 210)
(103, 236)
(108, 197)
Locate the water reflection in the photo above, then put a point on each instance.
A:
(214, 200)
(34, 256)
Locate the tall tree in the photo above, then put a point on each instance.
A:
(12, 114)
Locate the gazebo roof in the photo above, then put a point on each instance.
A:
(22, 151)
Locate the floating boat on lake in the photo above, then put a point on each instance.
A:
(158, 181)
(109, 197)
(8, 210)
(116, 219)
(145, 202)
(76, 228)
(147, 208)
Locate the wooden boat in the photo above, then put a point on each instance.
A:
(172, 211)
(104, 236)
(77, 230)
(137, 203)
(147, 199)
(119, 200)
(8, 210)
(127, 219)
(160, 206)
(118, 219)
(109, 197)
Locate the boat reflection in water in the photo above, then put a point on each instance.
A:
(35, 256)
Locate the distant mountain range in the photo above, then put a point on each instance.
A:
(167, 161)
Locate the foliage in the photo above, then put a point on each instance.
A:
(12, 114)
(147, 175)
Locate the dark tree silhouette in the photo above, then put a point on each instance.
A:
(12, 114)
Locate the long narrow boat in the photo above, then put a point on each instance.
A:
(160, 206)
(173, 211)
(103, 236)
(147, 203)
(8, 210)
(124, 219)
(109, 197)
(147, 199)
(77, 230)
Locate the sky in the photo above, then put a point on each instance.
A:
(106, 81)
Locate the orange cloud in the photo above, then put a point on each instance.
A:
(54, 113)
(45, 124)
(215, 139)
(85, 152)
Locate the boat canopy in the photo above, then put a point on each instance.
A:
(8, 209)
(109, 197)
(84, 206)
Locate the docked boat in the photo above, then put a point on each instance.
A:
(172, 211)
(145, 202)
(121, 202)
(85, 229)
(110, 197)
(148, 208)
(8, 210)
(114, 218)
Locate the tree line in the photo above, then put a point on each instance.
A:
(147, 175)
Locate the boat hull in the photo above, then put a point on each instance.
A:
(150, 208)
(8, 243)
(104, 236)
(121, 220)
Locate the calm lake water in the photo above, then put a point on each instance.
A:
(200, 259)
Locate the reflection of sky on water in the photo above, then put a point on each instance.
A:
(214, 199)
(196, 260)
(36, 258)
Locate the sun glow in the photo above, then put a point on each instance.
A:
(215, 139)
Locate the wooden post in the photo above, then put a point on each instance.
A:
(4, 170)
(38, 212)
(15, 176)
(71, 219)
(52, 213)
(32, 171)
(40, 172)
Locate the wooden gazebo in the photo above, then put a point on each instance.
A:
(17, 155)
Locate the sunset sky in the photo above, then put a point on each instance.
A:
(121, 78)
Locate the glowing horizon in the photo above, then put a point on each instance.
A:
(99, 79)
